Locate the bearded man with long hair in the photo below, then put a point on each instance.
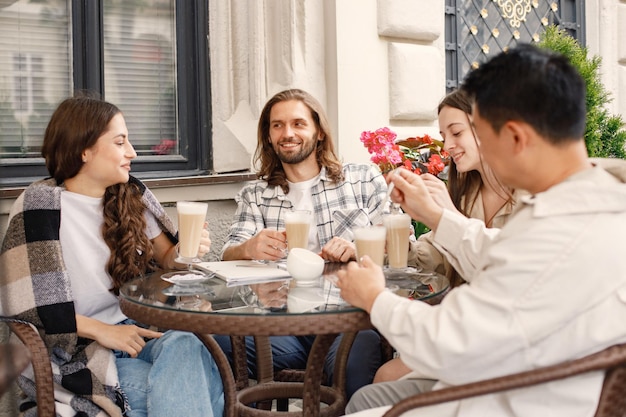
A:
(298, 170)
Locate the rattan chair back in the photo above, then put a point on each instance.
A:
(612, 398)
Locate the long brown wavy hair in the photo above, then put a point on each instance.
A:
(467, 184)
(270, 166)
(464, 186)
(76, 125)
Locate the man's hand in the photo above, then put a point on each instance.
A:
(205, 242)
(272, 294)
(412, 193)
(361, 284)
(270, 245)
(338, 250)
(438, 191)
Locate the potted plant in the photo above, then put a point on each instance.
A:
(604, 135)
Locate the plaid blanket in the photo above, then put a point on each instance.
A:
(35, 287)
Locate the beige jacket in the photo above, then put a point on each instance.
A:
(423, 253)
(549, 286)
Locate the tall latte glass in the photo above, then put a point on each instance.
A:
(398, 230)
(370, 241)
(297, 225)
(191, 218)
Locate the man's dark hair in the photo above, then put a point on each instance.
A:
(533, 85)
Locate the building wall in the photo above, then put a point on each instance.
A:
(372, 63)
(606, 38)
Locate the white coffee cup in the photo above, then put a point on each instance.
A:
(300, 300)
(305, 267)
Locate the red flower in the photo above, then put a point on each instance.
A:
(435, 165)
(411, 153)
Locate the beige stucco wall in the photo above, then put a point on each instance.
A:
(372, 63)
(606, 37)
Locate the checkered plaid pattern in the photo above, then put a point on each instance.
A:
(357, 201)
(35, 287)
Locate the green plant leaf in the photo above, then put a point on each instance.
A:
(605, 136)
(420, 228)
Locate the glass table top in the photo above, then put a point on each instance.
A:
(210, 294)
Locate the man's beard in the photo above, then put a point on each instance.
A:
(296, 158)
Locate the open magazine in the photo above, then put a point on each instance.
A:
(245, 272)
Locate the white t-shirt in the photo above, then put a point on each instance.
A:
(86, 254)
(300, 196)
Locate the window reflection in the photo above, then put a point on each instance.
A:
(139, 76)
(35, 71)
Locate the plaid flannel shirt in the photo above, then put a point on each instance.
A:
(357, 201)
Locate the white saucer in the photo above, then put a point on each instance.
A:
(186, 277)
(182, 290)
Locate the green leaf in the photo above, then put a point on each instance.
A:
(605, 136)
(420, 228)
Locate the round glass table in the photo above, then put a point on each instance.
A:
(209, 306)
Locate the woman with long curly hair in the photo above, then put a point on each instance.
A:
(72, 241)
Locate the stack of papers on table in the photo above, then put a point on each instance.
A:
(245, 272)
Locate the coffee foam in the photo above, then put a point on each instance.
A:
(191, 208)
(370, 233)
(395, 221)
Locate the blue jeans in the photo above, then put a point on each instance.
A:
(174, 375)
(291, 352)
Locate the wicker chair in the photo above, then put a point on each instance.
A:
(41, 364)
(612, 398)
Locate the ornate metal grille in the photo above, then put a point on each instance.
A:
(479, 29)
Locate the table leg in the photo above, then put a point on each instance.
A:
(265, 366)
(313, 374)
(265, 361)
(228, 380)
(341, 362)
(240, 361)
